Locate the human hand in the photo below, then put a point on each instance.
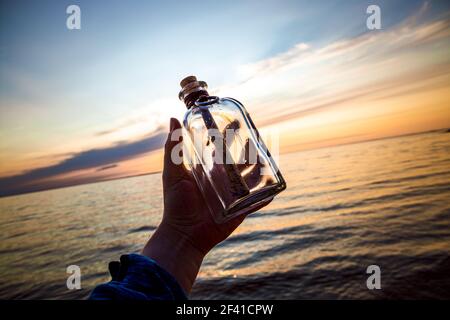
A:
(187, 231)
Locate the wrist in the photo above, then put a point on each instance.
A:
(174, 252)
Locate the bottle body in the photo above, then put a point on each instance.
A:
(230, 163)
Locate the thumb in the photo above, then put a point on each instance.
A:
(173, 171)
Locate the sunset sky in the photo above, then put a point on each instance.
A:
(79, 106)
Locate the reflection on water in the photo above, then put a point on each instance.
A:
(384, 202)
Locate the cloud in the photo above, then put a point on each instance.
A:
(102, 157)
(307, 79)
(151, 115)
(112, 130)
(110, 166)
(273, 64)
(415, 81)
(408, 34)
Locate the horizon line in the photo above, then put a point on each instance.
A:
(443, 130)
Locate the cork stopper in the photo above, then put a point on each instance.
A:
(191, 90)
(187, 80)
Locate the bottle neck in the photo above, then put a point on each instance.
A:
(190, 99)
(191, 90)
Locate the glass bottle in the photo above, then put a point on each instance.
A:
(222, 147)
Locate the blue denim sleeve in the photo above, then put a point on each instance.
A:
(137, 277)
